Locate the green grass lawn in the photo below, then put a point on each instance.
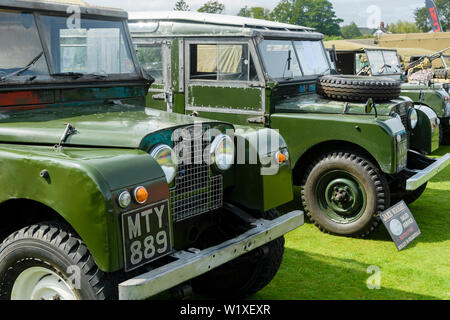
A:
(320, 266)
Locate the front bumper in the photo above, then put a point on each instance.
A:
(193, 263)
(424, 175)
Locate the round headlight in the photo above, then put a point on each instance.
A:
(413, 118)
(222, 152)
(124, 199)
(165, 156)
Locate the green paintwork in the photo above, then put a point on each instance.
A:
(80, 188)
(245, 99)
(100, 125)
(431, 97)
(329, 129)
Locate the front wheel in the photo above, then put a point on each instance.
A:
(245, 275)
(343, 193)
(48, 262)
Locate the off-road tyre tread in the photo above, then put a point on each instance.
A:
(61, 238)
(358, 88)
(382, 188)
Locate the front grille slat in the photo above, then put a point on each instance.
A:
(195, 191)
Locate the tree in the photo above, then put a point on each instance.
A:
(351, 31)
(423, 17)
(318, 14)
(255, 12)
(404, 27)
(181, 5)
(212, 6)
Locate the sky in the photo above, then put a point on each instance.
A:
(363, 12)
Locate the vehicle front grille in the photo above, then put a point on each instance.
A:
(195, 191)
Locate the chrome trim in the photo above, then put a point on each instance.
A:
(195, 262)
(421, 177)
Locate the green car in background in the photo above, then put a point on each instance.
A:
(355, 145)
(103, 198)
(386, 63)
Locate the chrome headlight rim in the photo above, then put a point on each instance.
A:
(124, 199)
(216, 154)
(413, 118)
(169, 171)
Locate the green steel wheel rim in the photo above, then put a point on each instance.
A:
(341, 196)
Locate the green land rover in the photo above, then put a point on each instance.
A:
(103, 198)
(352, 157)
(382, 62)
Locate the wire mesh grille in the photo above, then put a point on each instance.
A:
(195, 192)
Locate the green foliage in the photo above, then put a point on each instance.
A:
(181, 5)
(212, 6)
(423, 17)
(318, 14)
(255, 12)
(404, 27)
(351, 31)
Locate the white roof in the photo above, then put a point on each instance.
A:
(208, 18)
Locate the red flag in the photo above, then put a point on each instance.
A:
(434, 16)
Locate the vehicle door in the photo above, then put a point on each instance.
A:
(224, 81)
(155, 57)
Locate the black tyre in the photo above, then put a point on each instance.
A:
(411, 196)
(444, 136)
(48, 262)
(442, 73)
(245, 275)
(343, 193)
(358, 88)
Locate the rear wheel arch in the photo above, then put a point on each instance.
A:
(301, 166)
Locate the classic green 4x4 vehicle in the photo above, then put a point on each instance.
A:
(351, 157)
(103, 198)
(386, 63)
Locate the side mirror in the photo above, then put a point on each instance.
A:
(369, 105)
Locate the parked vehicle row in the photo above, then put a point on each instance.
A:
(135, 166)
(355, 144)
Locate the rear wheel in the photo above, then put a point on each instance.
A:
(245, 275)
(444, 137)
(48, 262)
(343, 193)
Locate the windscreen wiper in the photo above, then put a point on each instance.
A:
(96, 75)
(22, 70)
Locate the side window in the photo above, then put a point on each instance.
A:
(20, 44)
(223, 62)
(151, 59)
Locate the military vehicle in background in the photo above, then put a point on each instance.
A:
(427, 92)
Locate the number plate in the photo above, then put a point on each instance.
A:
(146, 235)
